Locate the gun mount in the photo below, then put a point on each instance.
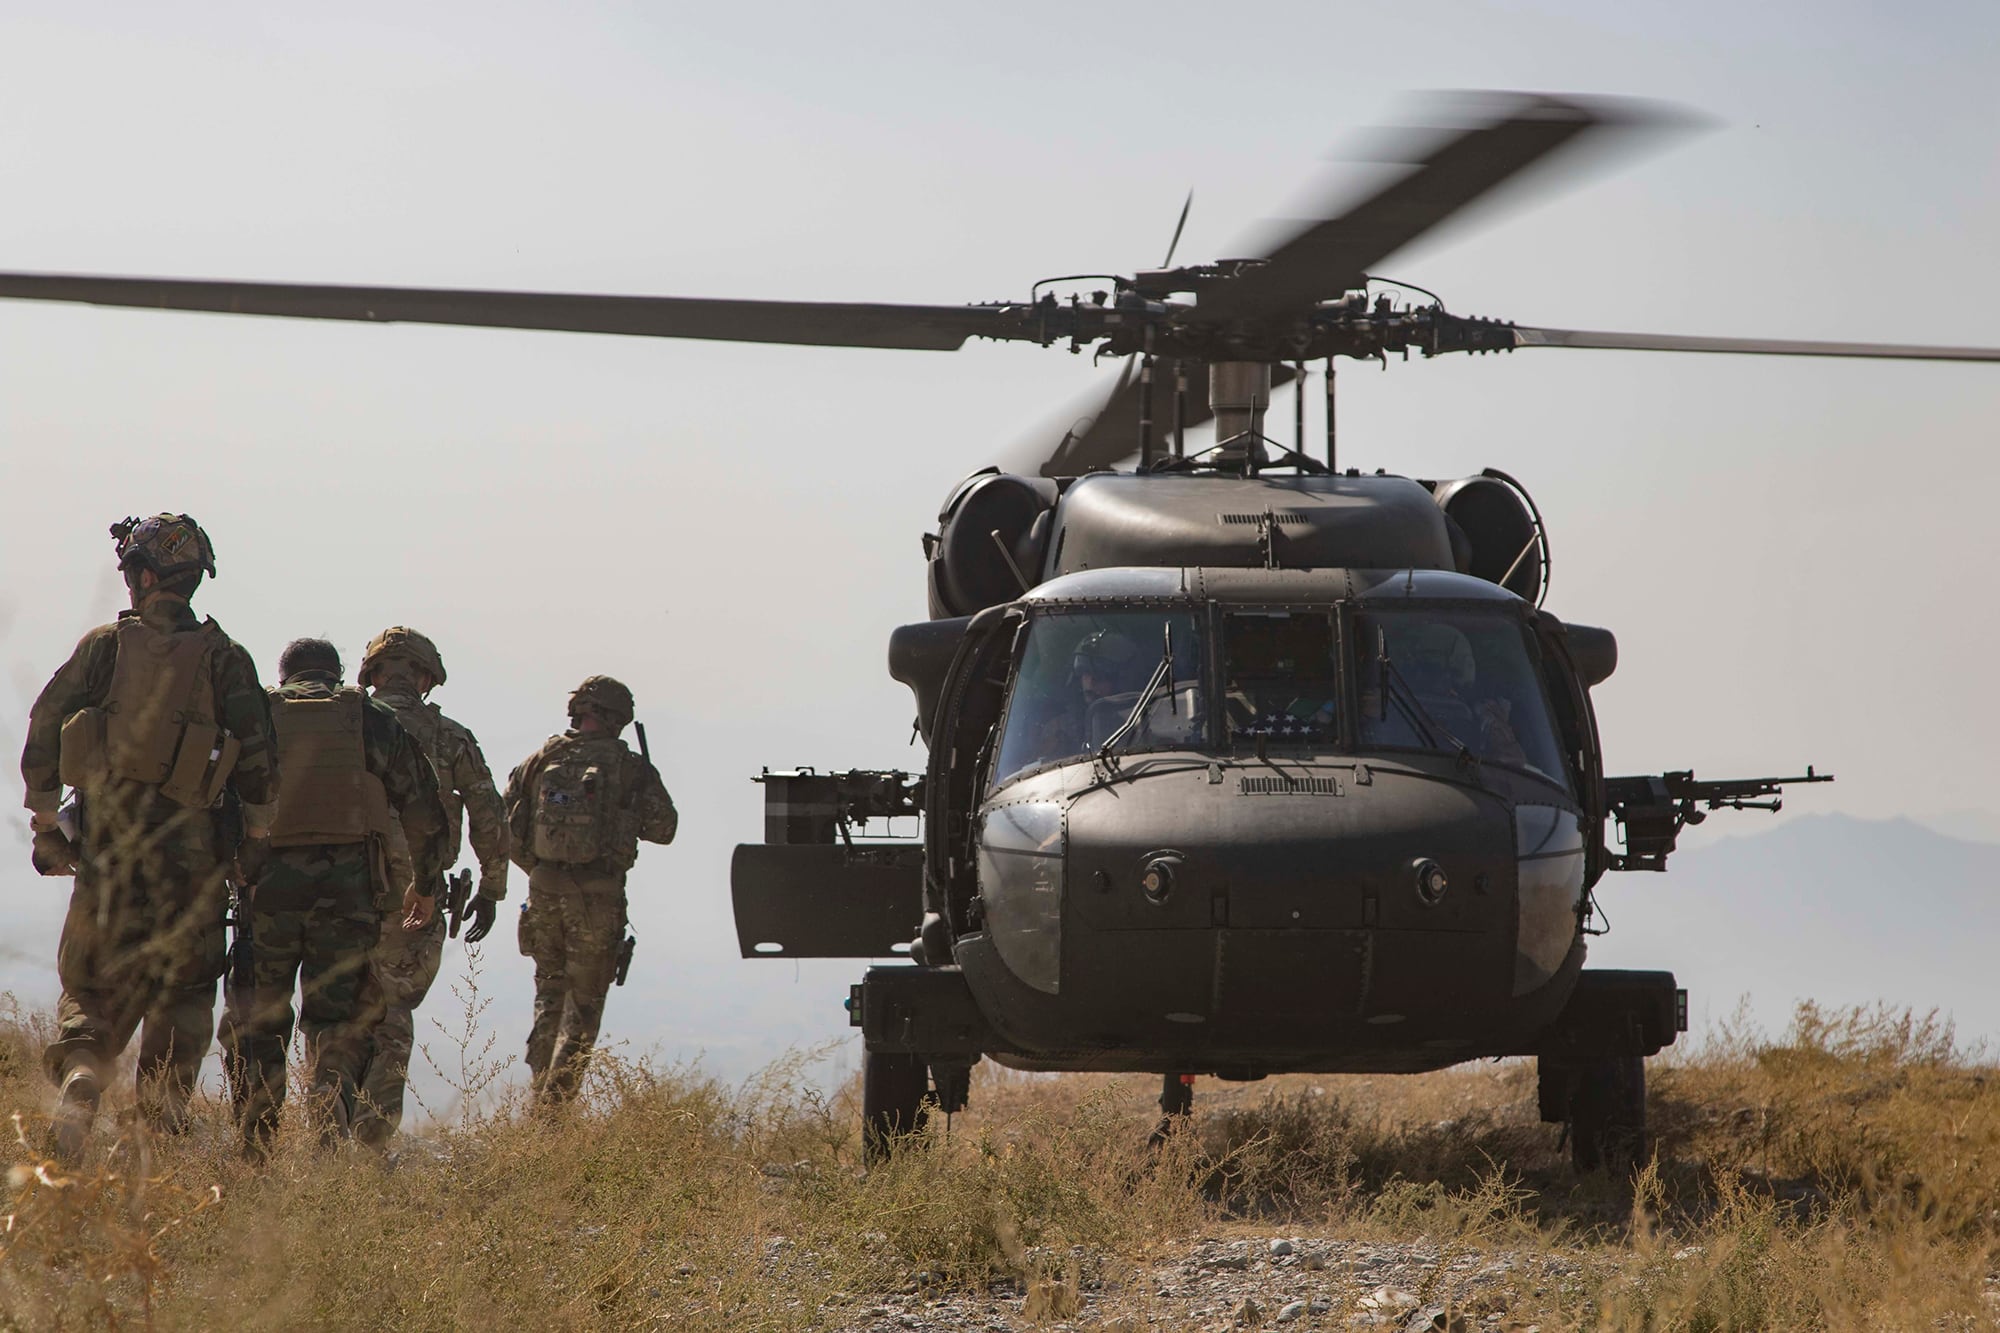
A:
(1651, 811)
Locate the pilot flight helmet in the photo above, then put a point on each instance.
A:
(1106, 654)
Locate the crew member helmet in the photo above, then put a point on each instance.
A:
(171, 545)
(607, 698)
(1106, 654)
(402, 641)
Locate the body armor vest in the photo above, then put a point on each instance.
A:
(157, 723)
(325, 792)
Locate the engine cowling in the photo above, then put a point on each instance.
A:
(1507, 542)
(992, 536)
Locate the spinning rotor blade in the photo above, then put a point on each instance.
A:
(1674, 342)
(1106, 429)
(1334, 255)
(918, 327)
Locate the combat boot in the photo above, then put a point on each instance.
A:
(76, 1109)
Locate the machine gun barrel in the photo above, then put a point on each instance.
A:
(1652, 810)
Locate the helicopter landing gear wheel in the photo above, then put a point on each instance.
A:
(893, 1089)
(1607, 1116)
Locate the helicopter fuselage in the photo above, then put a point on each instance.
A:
(1235, 774)
(1270, 887)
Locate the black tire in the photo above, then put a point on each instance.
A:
(893, 1089)
(1607, 1116)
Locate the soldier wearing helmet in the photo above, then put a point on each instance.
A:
(1103, 665)
(577, 809)
(401, 667)
(351, 774)
(158, 725)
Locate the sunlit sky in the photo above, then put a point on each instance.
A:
(1794, 554)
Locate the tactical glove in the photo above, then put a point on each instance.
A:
(482, 910)
(53, 854)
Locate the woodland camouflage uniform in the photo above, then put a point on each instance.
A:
(143, 942)
(578, 808)
(407, 961)
(316, 914)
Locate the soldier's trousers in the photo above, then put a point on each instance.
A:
(142, 945)
(572, 926)
(406, 963)
(314, 922)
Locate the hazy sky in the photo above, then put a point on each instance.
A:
(1794, 555)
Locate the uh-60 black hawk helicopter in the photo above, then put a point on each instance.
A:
(1238, 763)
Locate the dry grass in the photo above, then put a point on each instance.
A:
(1845, 1176)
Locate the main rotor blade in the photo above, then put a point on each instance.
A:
(1105, 430)
(1334, 255)
(1675, 342)
(917, 327)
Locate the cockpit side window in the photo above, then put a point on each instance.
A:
(1080, 679)
(1442, 680)
(1280, 677)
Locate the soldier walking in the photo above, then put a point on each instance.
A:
(155, 722)
(401, 667)
(318, 895)
(577, 809)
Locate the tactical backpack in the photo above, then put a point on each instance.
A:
(580, 815)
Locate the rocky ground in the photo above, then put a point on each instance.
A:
(1289, 1282)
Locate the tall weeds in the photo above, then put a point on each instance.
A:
(1845, 1175)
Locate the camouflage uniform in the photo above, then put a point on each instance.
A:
(316, 913)
(143, 942)
(407, 961)
(574, 920)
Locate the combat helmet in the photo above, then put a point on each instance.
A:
(1106, 653)
(607, 698)
(173, 546)
(401, 640)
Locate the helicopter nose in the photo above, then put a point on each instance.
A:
(1320, 913)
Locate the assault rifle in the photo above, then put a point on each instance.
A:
(1651, 811)
(229, 839)
(631, 941)
(457, 898)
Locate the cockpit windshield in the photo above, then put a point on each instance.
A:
(1080, 680)
(1455, 681)
(1451, 681)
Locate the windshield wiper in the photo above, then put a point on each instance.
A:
(1412, 707)
(1162, 674)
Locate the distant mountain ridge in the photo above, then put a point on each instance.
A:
(1829, 908)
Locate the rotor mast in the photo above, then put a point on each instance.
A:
(1239, 393)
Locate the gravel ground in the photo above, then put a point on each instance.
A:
(1283, 1282)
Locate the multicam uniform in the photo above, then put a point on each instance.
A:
(137, 703)
(577, 809)
(322, 890)
(406, 961)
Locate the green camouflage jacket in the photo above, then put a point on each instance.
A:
(393, 756)
(85, 682)
(465, 786)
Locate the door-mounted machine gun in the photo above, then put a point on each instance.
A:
(1652, 810)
